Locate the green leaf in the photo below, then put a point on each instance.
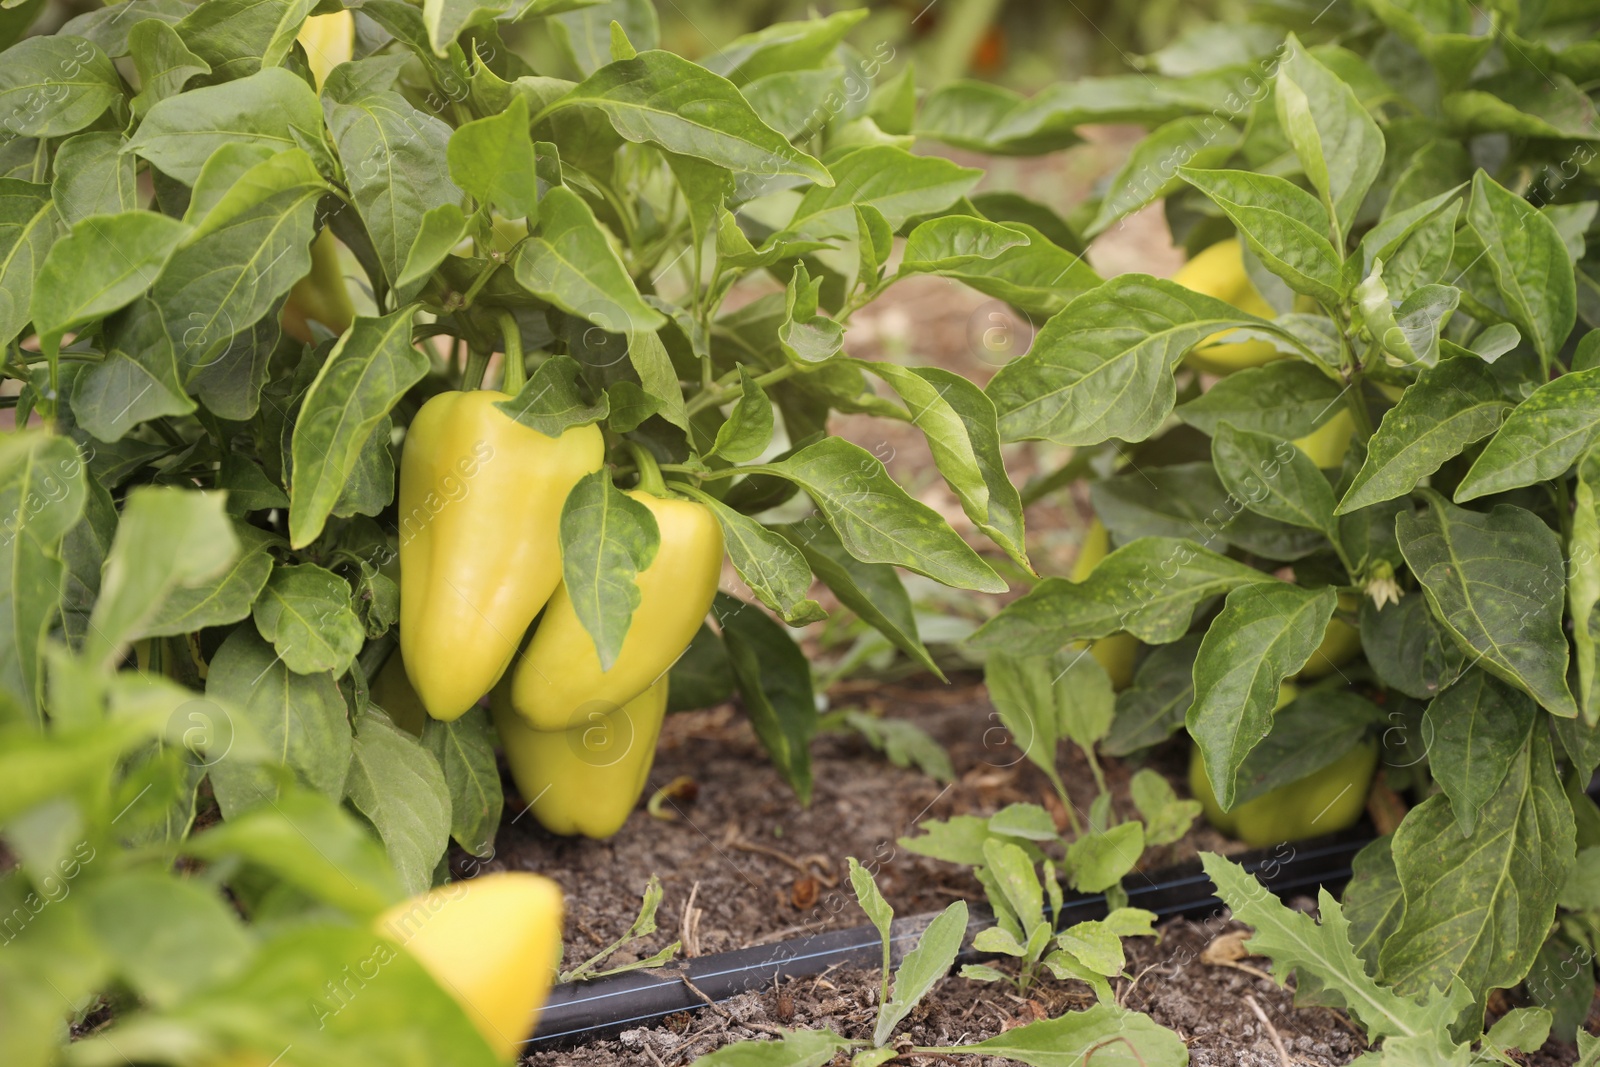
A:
(93, 176)
(1043, 699)
(954, 241)
(442, 229)
(877, 521)
(1540, 439)
(1039, 277)
(312, 843)
(1166, 818)
(1449, 406)
(396, 159)
(1373, 901)
(797, 1048)
(788, 100)
(1583, 580)
(923, 967)
(987, 118)
(1111, 1035)
(269, 109)
(223, 599)
(398, 786)
(1408, 649)
(872, 590)
(1283, 225)
(904, 743)
(607, 538)
(54, 84)
(1285, 398)
(1497, 583)
(240, 37)
(165, 64)
(1150, 172)
(1338, 720)
(299, 717)
(585, 33)
(899, 185)
(1478, 905)
(551, 403)
(572, 264)
(775, 681)
(305, 612)
(1321, 956)
(1264, 634)
(368, 371)
(1099, 861)
(1444, 33)
(774, 569)
(492, 160)
(807, 336)
(1152, 708)
(1528, 262)
(874, 906)
(748, 431)
(1521, 1030)
(959, 422)
(1150, 588)
(42, 493)
(138, 379)
(663, 99)
(169, 938)
(783, 46)
(167, 539)
(106, 262)
(1525, 103)
(27, 231)
(1339, 146)
(1103, 367)
(1273, 478)
(248, 248)
(464, 749)
(1475, 729)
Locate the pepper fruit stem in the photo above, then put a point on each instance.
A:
(515, 372)
(472, 375)
(650, 479)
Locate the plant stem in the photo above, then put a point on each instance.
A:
(479, 282)
(722, 390)
(472, 376)
(515, 373)
(650, 479)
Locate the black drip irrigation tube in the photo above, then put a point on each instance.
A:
(582, 1011)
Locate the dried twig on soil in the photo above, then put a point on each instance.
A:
(1227, 949)
(1272, 1031)
(689, 925)
(824, 866)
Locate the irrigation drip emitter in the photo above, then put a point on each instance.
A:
(581, 1011)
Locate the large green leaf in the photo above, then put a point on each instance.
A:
(877, 521)
(273, 109)
(54, 84)
(924, 965)
(1150, 588)
(1410, 650)
(1540, 439)
(1474, 730)
(138, 379)
(464, 748)
(1528, 261)
(1497, 582)
(663, 99)
(240, 37)
(1273, 478)
(42, 492)
(1583, 580)
(1450, 406)
(775, 682)
(607, 538)
(1479, 904)
(397, 784)
(572, 264)
(492, 159)
(895, 182)
(26, 234)
(367, 372)
(305, 611)
(1525, 103)
(1110, 1035)
(1339, 146)
(1152, 709)
(301, 718)
(1338, 720)
(1103, 367)
(94, 176)
(1264, 634)
(1151, 171)
(1039, 277)
(783, 46)
(1285, 398)
(1284, 226)
(165, 64)
(222, 599)
(774, 569)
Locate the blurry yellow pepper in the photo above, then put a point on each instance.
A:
(493, 943)
(1341, 643)
(1327, 444)
(480, 541)
(559, 680)
(1219, 272)
(1117, 652)
(1320, 803)
(328, 40)
(585, 779)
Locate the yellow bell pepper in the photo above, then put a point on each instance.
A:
(559, 681)
(321, 296)
(1117, 652)
(1320, 803)
(480, 551)
(493, 943)
(588, 778)
(328, 40)
(1219, 272)
(1327, 444)
(1341, 643)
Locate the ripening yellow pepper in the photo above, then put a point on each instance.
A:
(585, 779)
(321, 297)
(328, 40)
(1117, 652)
(559, 681)
(492, 942)
(1327, 444)
(1322, 802)
(480, 541)
(1341, 643)
(1219, 272)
